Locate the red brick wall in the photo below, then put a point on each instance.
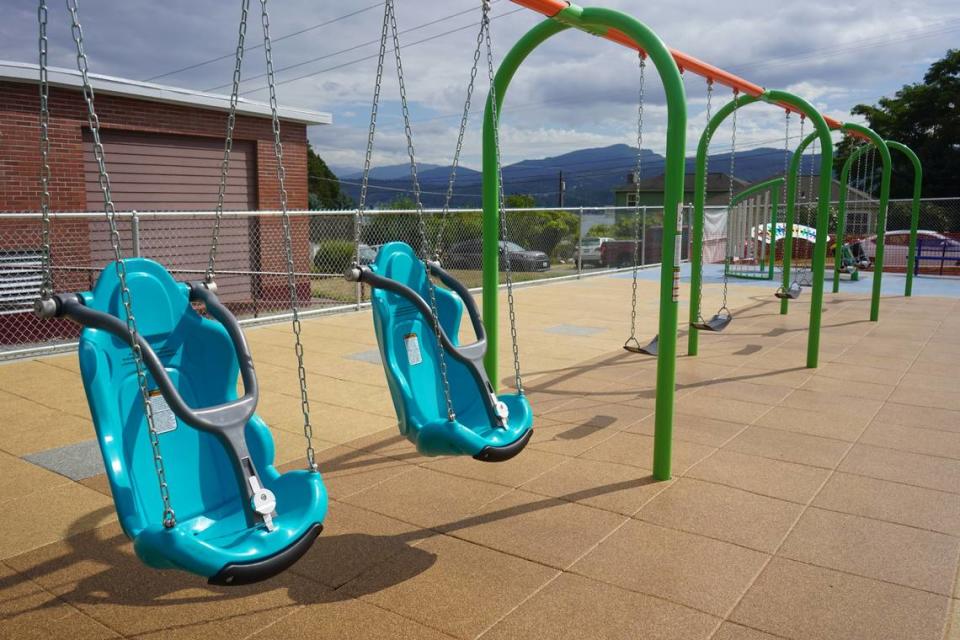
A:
(20, 158)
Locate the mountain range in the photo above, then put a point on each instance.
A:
(591, 176)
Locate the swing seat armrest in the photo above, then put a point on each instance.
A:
(218, 418)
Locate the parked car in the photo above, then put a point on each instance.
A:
(897, 243)
(618, 253)
(469, 255)
(589, 251)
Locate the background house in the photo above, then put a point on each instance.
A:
(163, 147)
(651, 189)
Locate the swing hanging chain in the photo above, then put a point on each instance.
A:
(706, 179)
(46, 287)
(228, 143)
(287, 239)
(421, 217)
(733, 158)
(169, 518)
(464, 118)
(501, 201)
(371, 133)
(638, 170)
(797, 272)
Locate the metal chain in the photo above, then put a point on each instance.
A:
(287, 239)
(484, 26)
(93, 122)
(797, 271)
(783, 198)
(46, 286)
(421, 218)
(501, 199)
(636, 201)
(706, 181)
(858, 172)
(371, 133)
(733, 165)
(228, 142)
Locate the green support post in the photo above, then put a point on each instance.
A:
(881, 146)
(821, 131)
(842, 213)
(699, 201)
(600, 22)
(914, 210)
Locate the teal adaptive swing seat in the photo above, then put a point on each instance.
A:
(487, 426)
(209, 468)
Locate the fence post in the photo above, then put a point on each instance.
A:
(135, 233)
(358, 288)
(580, 244)
(643, 236)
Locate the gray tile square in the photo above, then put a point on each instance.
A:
(75, 461)
(574, 330)
(372, 356)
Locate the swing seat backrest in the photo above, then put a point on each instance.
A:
(213, 531)
(411, 360)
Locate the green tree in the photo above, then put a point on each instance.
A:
(520, 201)
(925, 116)
(323, 188)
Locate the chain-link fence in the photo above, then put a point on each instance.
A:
(750, 256)
(251, 270)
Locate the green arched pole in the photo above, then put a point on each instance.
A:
(881, 146)
(842, 213)
(821, 132)
(699, 202)
(600, 22)
(914, 210)
(914, 213)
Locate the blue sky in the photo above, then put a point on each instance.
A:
(576, 91)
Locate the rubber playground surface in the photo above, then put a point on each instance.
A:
(805, 503)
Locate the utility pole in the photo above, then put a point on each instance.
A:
(561, 187)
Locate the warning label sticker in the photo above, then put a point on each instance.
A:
(163, 418)
(414, 357)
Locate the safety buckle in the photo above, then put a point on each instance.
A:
(501, 410)
(264, 503)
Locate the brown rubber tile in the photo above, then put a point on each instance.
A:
(796, 600)
(353, 541)
(893, 502)
(515, 524)
(698, 429)
(637, 450)
(816, 423)
(722, 512)
(774, 478)
(575, 607)
(790, 447)
(451, 585)
(882, 550)
(567, 439)
(510, 473)
(912, 415)
(705, 574)
(604, 485)
(427, 498)
(926, 441)
(899, 466)
(721, 408)
(731, 631)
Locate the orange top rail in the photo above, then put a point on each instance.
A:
(551, 8)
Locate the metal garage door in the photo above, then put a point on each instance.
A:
(157, 172)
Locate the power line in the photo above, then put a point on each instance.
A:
(354, 47)
(375, 55)
(260, 46)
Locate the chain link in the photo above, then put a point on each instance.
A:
(287, 239)
(93, 122)
(706, 180)
(455, 164)
(501, 201)
(421, 218)
(228, 142)
(797, 269)
(733, 165)
(46, 287)
(638, 212)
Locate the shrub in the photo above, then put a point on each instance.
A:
(333, 256)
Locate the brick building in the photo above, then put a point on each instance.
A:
(163, 148)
